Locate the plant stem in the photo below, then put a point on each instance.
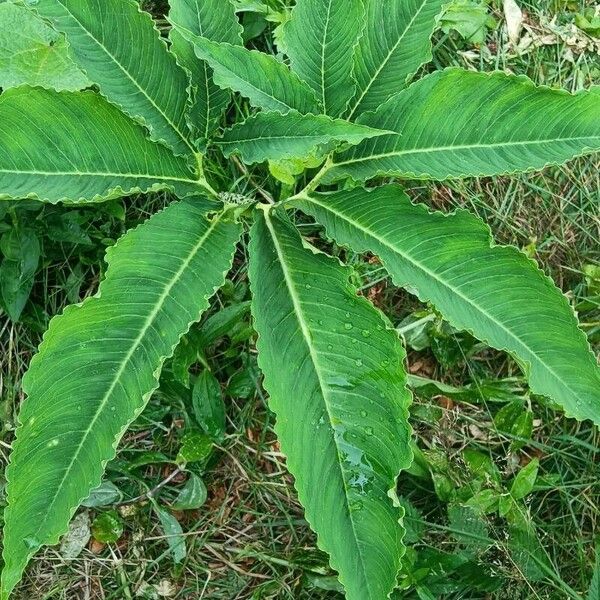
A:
(202, 181)
(313, 183)
(263, 193)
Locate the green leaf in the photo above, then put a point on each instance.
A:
(525, 480)
(223, 322)
(589, 22)
(106, 493)
(413, 521)
(320, 39)
(495, 292)
(193, 494)
(214, 20)
(99, 364)
(470, 19)
(21, 250)
(334, 372)
(528, 552)
(507, 417)
(522, 430)
(266, 82)
(287, 170)
(173, 534)
(107, 527)
(396, 42)
(33, 53)
(196, 447)
(457, 123)
(273, 136)
(594, 590)
(209, 408)
(76, 146)
(119, 48)
(468, 528)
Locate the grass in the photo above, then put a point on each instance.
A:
(249, 540)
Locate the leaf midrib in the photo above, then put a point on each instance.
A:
(323, 49)
(434, 149)
(136, 344)
(434, 276)
(135, 83)
(97, 174)
(298, 311)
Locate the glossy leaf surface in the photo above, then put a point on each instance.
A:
(76, 146)
(457, 123)
(495, 292)
(335, 375)
(33, 53)
(119, 48)
(273, 136)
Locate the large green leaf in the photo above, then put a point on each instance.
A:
(99, 364)
(273, 136)
(266, 82)
(33, 53)
(319, 39)
(456, 123)
(335, 375)
(118, 47)
(495, 292)
(77, 146)
(396, 42)
(217, 21)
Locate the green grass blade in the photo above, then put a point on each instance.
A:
(99, 364)
(495, 292)
(336, 379)
(76, 146)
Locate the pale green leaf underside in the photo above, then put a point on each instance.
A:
(336, 380)
(33, 53)
(266, 82)
(319, 40)
(76, 146)
(495, 292)
(215, 20)
(118, 47)
(98, 365)
(457, 123)
(395, 43)
(273, 136)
